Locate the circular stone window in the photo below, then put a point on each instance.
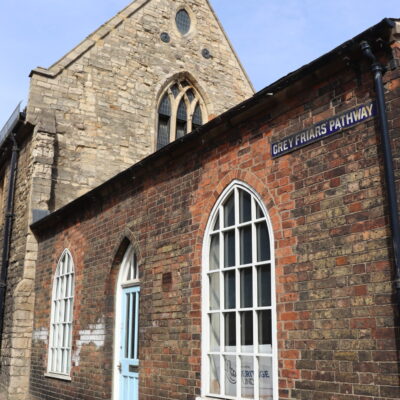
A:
(182, 20)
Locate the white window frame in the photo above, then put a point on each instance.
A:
(61, 322)
(205, 341)
(128, 276)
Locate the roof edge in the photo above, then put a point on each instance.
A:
(87, 43)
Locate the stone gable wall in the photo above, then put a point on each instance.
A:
(336, 318)
(103, 100)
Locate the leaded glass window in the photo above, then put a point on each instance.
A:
(179, 112)
(239, 311)
(59, 361)
(164, 116)
(181, 119)
(182, 20)
(197, 119)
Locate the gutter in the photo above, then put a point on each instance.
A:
(378, 70)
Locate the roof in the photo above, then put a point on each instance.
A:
(377, 35)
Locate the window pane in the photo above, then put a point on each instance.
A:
(216, 225)
(230, 287)
(128, 315)
(244, 206)
(133, 323)
(214, 291)
(230, 331)
(259, 213)
(180, 128)
(247, 374)
(215, 374)
(230, 375)
(165, 106)
(197, 118)
(190, 95)
(246, 331)
(263, 252)
(229, 211)
(265, 375)
(182, 20)
(163, 131)
(215, 332)
(229, 248)
(214, 252)
(245, 245)
(264, 331)
(246, 287)
(181, 113)
(175, 90)
(264, 285)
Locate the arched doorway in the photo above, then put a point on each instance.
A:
(126, 354)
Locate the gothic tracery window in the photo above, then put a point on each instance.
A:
(180, 111)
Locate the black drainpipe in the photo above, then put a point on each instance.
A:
(378, 70)
(7, 231)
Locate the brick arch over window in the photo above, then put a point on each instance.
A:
(180, 110)
(239, 350)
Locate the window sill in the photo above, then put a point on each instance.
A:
(57, 376)
(209, 398)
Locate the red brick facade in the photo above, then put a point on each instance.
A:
(334, 276)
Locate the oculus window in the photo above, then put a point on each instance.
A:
(180, 111)
(238, 335)
(59, 361)
(182, 20)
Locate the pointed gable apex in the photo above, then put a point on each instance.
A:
(114, 22)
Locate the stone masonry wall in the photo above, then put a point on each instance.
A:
(16, 339)
(103, 94)
(336, 318)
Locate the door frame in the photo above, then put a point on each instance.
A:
(121, 284)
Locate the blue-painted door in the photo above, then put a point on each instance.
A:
(129, 360)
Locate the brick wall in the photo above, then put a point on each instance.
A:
(334, 276)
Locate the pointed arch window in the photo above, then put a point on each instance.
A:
(180, 111)
(239, 358)
(62, 302)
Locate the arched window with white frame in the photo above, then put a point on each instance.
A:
(239, 348)
(62, 303)
(180, 111)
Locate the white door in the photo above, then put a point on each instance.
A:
(129, 361)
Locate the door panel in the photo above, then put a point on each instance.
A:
(129, 360)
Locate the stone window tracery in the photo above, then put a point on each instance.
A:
(180, 111)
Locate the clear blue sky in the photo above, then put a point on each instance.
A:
(271, 37)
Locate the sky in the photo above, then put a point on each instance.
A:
(271, 37)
